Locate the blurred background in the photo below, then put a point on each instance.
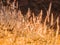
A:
(35, 5)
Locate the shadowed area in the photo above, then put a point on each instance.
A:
(36, 5)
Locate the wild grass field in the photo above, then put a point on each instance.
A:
(15, 29)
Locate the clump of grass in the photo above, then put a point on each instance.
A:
(15, 29)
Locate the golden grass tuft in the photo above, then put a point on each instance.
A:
(18, 30)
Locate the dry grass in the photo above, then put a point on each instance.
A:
(18, 30)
